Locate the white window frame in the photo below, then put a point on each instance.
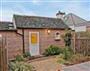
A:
(57, 36)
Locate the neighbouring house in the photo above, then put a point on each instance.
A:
(75, 22)
(88, 25)
(82, 27)
(32, 34)
(82, 33)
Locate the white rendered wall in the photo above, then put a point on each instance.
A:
(80, 29)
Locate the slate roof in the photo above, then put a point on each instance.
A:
(72, 20)
(87, 24)
(38, 22)
(6, 25)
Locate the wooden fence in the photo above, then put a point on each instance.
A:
(3, 57)
(82, 45)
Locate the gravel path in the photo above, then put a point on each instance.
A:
(49, 64)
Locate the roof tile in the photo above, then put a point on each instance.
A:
(38, 22)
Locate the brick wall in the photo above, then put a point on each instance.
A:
(14, 40)
(14, 43)
(45, 39)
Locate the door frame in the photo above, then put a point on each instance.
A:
(36, 44)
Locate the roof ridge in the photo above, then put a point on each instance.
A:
(35, 16)
(6, 21)
(76, 16)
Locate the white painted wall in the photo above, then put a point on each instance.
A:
(80, 28)
(72, 27)
(60, 16)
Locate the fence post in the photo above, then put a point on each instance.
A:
(74, 40)
(3, 55)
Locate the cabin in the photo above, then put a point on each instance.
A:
(31, 34)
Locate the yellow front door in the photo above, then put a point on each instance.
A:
(34, 43)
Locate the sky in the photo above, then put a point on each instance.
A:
(46, 8)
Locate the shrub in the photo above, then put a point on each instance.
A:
(61, 60)
(52, 50)
(78, 58)
(27, 54)
(20, 66)
(19, 58)
(67, 52)
(68, 58)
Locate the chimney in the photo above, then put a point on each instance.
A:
(60, 15)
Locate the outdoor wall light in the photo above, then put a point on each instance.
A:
(0, 36)
(48, 31)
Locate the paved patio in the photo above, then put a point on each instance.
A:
(78, 67)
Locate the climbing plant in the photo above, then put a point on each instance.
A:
(67, 37)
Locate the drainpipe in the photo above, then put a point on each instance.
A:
(23, 41)
(22, 35)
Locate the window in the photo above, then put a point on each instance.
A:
(10, 26)
(33, 38)
(57, 36)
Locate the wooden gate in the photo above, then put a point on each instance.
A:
(3, 56)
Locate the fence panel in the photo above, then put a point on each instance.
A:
(3, 57)
(82, 45)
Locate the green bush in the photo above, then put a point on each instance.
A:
(20, 66)
(67, 52)
(27, 54)
(19, 58)
(61, 60)
(69, 58)
(52, 50)
(78, 58)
